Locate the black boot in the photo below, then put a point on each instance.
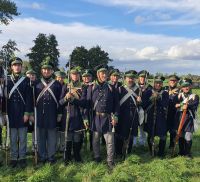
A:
(22, 163)
(68, 155)
(181, 143)
(0, 136)
(77, 150)
(188, 146)
(90, 137)
(13, 163)
(118, 147)
(172, 138)
(130, 145)
(149, 144)
(161, 151)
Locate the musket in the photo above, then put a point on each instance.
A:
(35, 129)
(180, 127)
(126, 142)
(6, 110)
(68, 115)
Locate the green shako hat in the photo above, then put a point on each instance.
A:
(47, 63)
(173, 77)
(16, 60)
(143, 73)
(60, 74)
(31, 71)
(114, 72)
(101, 68)
(131, 74)
(159, 79)
(87, 73)
(185, 82)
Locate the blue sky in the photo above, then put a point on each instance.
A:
(141, 34)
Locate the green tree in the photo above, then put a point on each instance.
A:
(79, 57)
(8, 50)
(53, 51)
(8, 9)
(44, 46)
(97, 56)
(89, 59)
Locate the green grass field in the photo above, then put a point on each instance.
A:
(138, 166)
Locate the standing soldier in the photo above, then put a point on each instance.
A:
(48, 93)
(127, 127)
(60, 76)
(19, 108)
(75, 126)
(31, 74)
(103, 99)
(87, 113)
(188, 101)
(173, 91)
(155, 104)
(143, 86)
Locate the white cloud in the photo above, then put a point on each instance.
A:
(187, 12)
(32, 5)
(70, 14)
(189, 50)
(121, 45)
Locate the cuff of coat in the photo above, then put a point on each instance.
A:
(27, 113)
(115, 117)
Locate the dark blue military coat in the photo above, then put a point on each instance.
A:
(104, 100)
(75, 118)
(18, 105)
(47, 108)
(190, 115)
(128, 116)
(161, 113)
(173, 92)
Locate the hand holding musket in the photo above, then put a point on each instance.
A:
(180, 127)
(67, 97)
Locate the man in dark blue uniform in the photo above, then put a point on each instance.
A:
(189, 101)
(173, 91)
(143, 86)
(127, 127)
(48, 93)
(155, 104)
(87, 113)
(19, 108)
(75, 126)
(103, 99)
(31, 74)
(60, 76)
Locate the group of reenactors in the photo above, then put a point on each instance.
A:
(121, 110)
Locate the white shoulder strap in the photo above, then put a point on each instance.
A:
(47, 88)
(15, 87)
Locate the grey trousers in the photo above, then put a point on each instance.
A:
(47, 143)
(18, 143)
(109, 138)
(60, 143)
